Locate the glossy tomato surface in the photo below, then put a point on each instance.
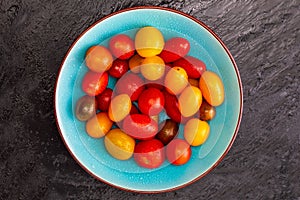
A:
(94, 83)
(130, 84)
(149, 153)
(193, 66)
(103, 99)
(151, 101)
(121, 46)
(118, 68)
(174, 49)
(172, 108)
(178, 152)
(140, 126)
(98, 58)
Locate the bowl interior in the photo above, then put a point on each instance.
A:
(91, 153)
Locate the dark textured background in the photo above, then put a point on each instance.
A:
(264, 38)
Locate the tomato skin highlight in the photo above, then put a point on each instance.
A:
(94, 83)
(118, 68)
(178, 152)
(168, 131)
(151, 101)
(140, 126)
(193, 66)
(174, 49)
(149, 154)
(121, 46)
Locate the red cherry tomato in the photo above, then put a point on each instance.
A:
(151, 101)
(140, 126)
(121, 46)
(130, 84)
(178, 152)
(174, 49)
(149, 153)
(193, 66)
(172, 108)
(103, 99)
(118, 68)
(94, 83)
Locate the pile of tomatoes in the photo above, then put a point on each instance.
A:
(153, 76)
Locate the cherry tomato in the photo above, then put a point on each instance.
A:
(193, 66)
(149, 154)
(94, 83)
(103, 99)
(196, 131)
(151, 101)
(168, 131)
(153, 68)
(135, 63)
(178, 152)
(190, 101)
(98, 59)
(176, 80)
(174, 49)
(149, 41)
(140, 126)
(130, 84)
(119, 145)
(118, 68)
(172, 108)
(119, 107)
(212, 88)
(86, 107)
(98, 125)
(121, 46)
(207, 112)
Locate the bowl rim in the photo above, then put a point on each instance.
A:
(214, 35)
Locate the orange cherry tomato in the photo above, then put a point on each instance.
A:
(212, 88)
(98, 125)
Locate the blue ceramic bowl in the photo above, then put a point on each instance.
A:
(90, 153)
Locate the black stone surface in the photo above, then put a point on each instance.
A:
(264, 38)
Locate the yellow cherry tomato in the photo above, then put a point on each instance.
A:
(212, 88)
(190, 101)
(153, 68)
(98, 125)
(135, 63)
(196, 131)
(98, 59)
(149, 42)
(119, 144)
(176, 80)
(119, 107)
